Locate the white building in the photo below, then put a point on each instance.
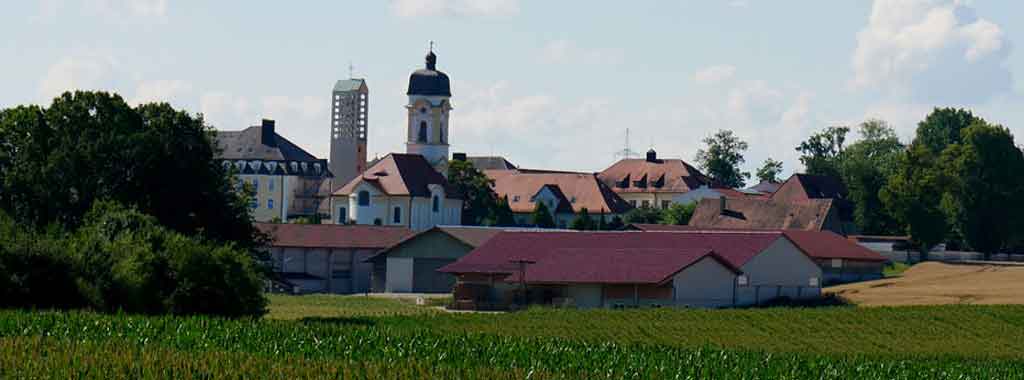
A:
(399, 190)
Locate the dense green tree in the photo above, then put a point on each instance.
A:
(770, 171)
(942, 127)
(541, 216)
(56, 162)
(501, 215)
(678, 213)
(479, 199)
(820, 153)
(583, 221)
(865, 168)
(984, 199)
(643, 215)
(722, 157)
(914, 194)
(615, 224)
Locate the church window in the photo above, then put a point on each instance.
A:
(397, 218)
(422, 137)
(437, 204)
(364, 198)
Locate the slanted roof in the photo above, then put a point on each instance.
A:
(614, 265)
(638, 175)
(490, 163)
(815, 244)
(748, 213)
(766, 187)
(472, 236)
(348, 85)
(247, 144)
(563, 204)
(401, 174)
(583, 190)
(333, 235)
(499, 254)
(801, 187)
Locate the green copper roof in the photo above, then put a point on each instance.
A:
(348, 84)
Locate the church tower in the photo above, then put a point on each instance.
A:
(428, 109)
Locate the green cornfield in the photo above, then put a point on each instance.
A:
(976, 342)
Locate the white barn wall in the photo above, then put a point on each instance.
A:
(780, 270)
(706, 283)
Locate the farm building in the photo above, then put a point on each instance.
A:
(410, 266)
(840, 259)
(326, 258)
(633, 269)
(754, 213)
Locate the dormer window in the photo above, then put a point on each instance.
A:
(295, 167)
(364, 198)
(515, 198)
(624, 183)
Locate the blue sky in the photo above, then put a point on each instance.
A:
(548, 84)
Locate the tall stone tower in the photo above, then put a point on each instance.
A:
(350, 102)
(429, 108)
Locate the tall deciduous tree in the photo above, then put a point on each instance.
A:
(913, 195)
(942, 127)
(986, 185)
(820, 153)
(88, 146)
(722, 157)
(501, 215)
(770, 171)
(865, 168)
(480, 201)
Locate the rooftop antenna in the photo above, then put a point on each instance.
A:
(351, 69)
(431, 46)
(626, 152)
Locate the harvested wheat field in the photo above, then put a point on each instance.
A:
(935, 283)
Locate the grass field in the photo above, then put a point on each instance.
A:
(368, 338)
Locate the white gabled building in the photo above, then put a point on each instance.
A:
(399, 190)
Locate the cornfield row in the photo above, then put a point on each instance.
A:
(189, 347)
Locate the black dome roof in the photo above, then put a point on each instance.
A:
(429, 81)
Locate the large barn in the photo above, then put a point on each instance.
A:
(634, 269)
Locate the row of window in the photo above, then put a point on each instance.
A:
(256, 184)
(645, 204)
(254, 204)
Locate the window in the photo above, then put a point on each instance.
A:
(515, 198)
(256, 184)
(423, 110)
(837, 263)
(422, 137)
(814, 282)
(645, 204)
(271, 185)
(632, 202)
(437, 204)
(270, 204)
(397, 218)
(342, 215)
(254, 204)
(364, 198)
(665, 204)
(742, 280)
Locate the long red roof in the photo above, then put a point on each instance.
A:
(612, 252)
(333, 235)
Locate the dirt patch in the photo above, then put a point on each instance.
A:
(940, 284)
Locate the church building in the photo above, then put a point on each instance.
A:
(428, 109)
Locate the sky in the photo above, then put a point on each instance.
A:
(547, 84)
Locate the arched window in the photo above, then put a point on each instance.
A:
(422, 137)
(397, 218)
(437, 204)
(364, 198)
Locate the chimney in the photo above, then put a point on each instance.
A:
(721, 205)
(652, 156)
(267, 135)
(458, 156)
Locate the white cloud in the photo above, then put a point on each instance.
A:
(426, 8)
(117, 10)
(563, 51)
(223, 110)
(714, 74)
(931, 51)
(84, 72)
(160, 91)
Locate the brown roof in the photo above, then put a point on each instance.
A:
(401, 174)
(333, 235)
(583, 190)
(801, 187)
(637, 175)
(741, 213)
(490, 163)
(473, 236)
(815, 244)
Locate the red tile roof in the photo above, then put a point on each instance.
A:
(755, 213)
(590, 193)
(401, 174)
(801, 187)
(498, 253)
(815, 244)
(333, 235)
(618, 266)
(638, 175)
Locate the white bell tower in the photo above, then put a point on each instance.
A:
(428, 110)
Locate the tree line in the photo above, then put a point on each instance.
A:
(958, 181)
